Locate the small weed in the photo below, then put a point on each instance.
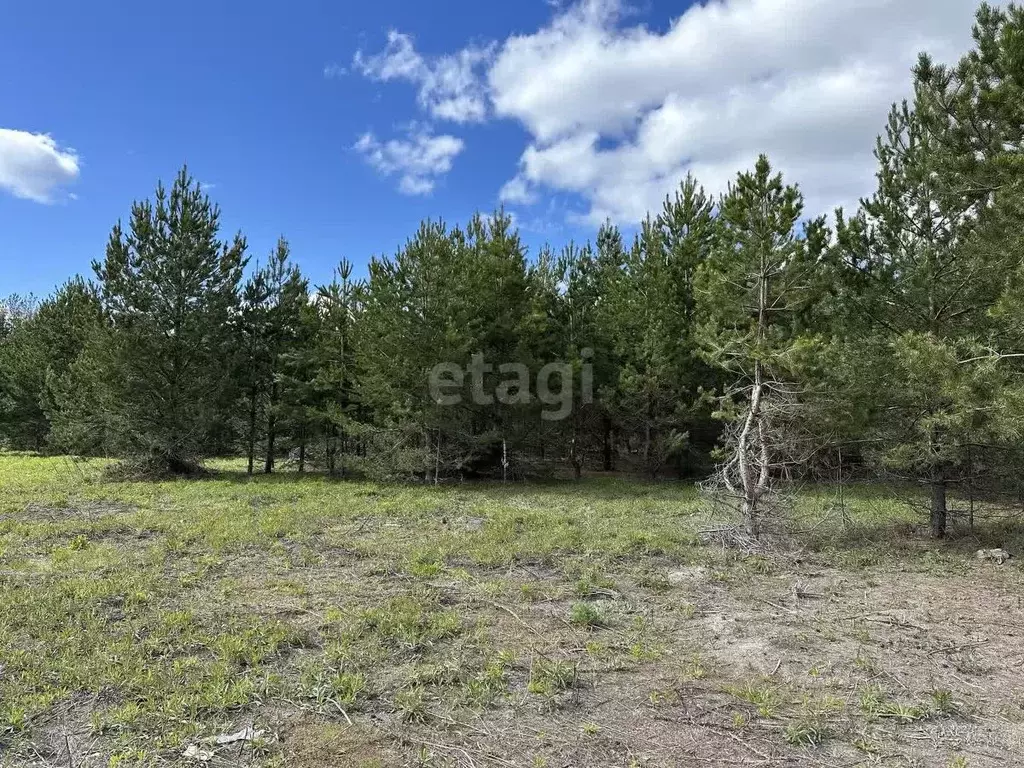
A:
(586, 615)
(408, 623)
(411, 705)
(593, 583)
(424, 565)
(759, 564)
(531, 592)
(865, 745)
(13, 719)
(764, 696)
(865, 663)
(694, 669)
(875, 704)
(596, 650)
(333, 686)
(492, 681)
(548, 677)
(805, 733)
(640, 651)
(943, 703)
(666, 698)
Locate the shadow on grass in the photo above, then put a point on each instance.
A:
(605, 486)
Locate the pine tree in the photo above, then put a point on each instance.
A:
(255, 362)
(296, 378)
(975, 110)
(460, 298)
(926, 285)
(169, 285)
(335, 384)
(663, 377)
(573, 323)
(286, 333)
(416, 315)
(42, 345)
(749, 288)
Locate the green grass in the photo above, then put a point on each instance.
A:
(145, 617)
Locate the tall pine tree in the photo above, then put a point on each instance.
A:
(169, 286)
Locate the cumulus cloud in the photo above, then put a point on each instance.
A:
(33, 166)
(518, 191)
(418, 159)
(450, 87)
(618, 114)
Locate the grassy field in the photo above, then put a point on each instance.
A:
(318, 623)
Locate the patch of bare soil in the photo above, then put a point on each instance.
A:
(65, 736)
(87, 510)
(814, 667)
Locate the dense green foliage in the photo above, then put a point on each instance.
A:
(887, 338)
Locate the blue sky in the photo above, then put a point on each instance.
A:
(342, 125)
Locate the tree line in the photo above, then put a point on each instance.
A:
(733, 338)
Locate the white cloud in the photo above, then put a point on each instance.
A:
(334, 71)
(619, 114)
(517, 191)
(449, 87)
(33, 166)
(419, 159)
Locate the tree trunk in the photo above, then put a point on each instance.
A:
(574, 457)
(252, 430)
(268, 461)
(268, 464)
(302, 452)
(753, 459)
(749, 471)
(647, 450)
(332, 448)
(607, 444)
(437, 458)
(938, 485)
(428, 459)
(970, 488)
(649, 436)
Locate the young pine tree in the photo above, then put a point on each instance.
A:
(169, 286)
(663, 377)
(750, 288)
(39, 351)
(927, 288)
(335, 383)
(254, 357)
(286, 333)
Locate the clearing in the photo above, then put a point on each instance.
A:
(318, 623)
